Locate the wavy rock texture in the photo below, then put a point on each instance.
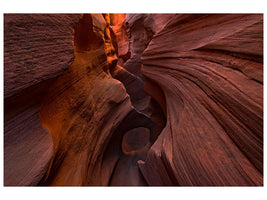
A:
(209, 68)
(134, 100)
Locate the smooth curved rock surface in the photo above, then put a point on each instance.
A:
(121, 34)
(209, 68)
(87, 112)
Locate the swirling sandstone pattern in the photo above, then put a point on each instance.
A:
(134, 99)
(209, 68)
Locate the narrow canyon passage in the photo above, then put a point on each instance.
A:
(134, 100)
(82, 118)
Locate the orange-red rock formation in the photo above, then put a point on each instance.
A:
(37, 48)
(87, 112)
(209, 68)
(133, 100)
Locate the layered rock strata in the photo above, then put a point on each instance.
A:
(133, 100)
(209, 68)
(37, 49)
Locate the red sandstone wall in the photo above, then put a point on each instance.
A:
(133, 99)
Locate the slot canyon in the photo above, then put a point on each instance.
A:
(133, 99)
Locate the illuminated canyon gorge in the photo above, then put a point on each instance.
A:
(133, 99)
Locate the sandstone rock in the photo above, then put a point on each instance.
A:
(87, 112)
(120, 30)
(134, 100)
(37, 48)
(135, 140)
(138, 30)
(27, 146)
(209, 68)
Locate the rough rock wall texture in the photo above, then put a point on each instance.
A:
(37, 48)
(133, 99)
(90, 116)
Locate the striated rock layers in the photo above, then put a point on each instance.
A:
(133, 100)
(209, 68)
(37, 48)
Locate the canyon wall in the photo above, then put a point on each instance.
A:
(37, 49)
(210, 70)
(133, 100)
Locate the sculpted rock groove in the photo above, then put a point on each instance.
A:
(133, 99)
(209, 68)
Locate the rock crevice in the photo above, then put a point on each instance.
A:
(133, 100)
